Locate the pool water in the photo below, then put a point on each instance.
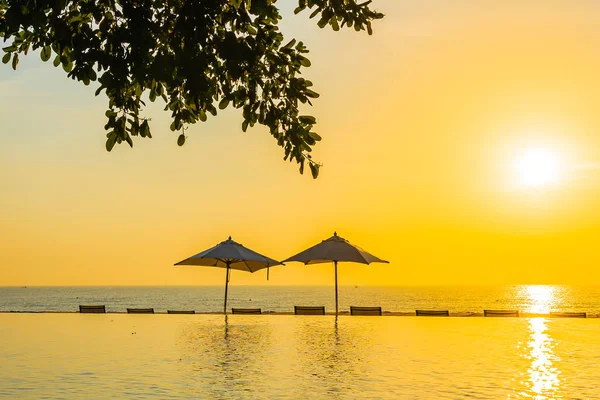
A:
(76, 356)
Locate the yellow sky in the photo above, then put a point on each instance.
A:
(421, 123)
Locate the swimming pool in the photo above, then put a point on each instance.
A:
(280, 356)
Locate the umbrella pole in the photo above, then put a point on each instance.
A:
(226, 286)
(336, 289)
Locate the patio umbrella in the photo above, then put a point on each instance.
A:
(230, 255)
(335, 249)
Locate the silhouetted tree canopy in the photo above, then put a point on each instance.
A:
(197, 55)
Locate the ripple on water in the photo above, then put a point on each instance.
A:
(266, 357)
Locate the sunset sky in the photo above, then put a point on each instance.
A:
(461, 142)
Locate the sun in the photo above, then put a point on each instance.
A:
(537, 168)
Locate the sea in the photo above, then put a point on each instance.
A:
(68, 355)
(457, 299)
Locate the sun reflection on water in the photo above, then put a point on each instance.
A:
(542, 371)
(542, 298)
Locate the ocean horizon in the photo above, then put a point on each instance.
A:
(540, 299)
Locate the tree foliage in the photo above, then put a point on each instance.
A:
(198, 56)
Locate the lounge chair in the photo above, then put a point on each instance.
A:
(432, 313)
(365, 310)
(246, 311)
(92, 309)
(181, 312)
(500, 313)
(309, 310)
(140, 311)
(569, 314)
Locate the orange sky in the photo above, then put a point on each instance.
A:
(421, 122)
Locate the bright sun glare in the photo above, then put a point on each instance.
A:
(537, 168)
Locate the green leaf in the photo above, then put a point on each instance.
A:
(45, 53)
(334, 24)
(6, 58)
(290, 44)
(68, 66)
(202, 115)
(129, 140)
(110, 142)
(307, 119)
(223, 104)
(314, 135)
(135, 128)
(322, 22)
(244, 126)
(305, 62)
(311, 94)
(15, 61)
(145, 129)
(56, 61)
(314, 170)
(181, 140)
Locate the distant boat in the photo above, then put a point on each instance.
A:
(355, 287)
(23, 287)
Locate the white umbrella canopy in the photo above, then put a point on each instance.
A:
(335, 249)
(230, 255)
